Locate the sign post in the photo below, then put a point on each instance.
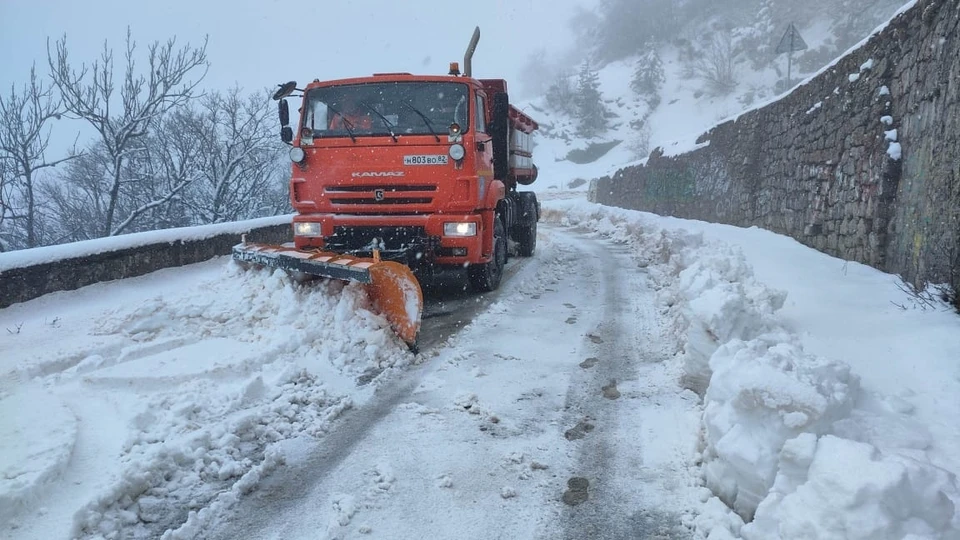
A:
(790, 43)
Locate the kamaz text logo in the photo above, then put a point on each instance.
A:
(374, 174)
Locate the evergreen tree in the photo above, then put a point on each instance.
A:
(591, 113)
(648, 77)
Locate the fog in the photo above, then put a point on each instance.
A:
(260, 43)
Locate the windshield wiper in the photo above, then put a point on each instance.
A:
(425, 119)
(346, 123)
(382, 117)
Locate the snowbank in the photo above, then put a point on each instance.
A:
(838, 488)
(764, 392)
(199, 392)
(195, 452)
(786, 432)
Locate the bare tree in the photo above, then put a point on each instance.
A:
(76, 199)
(24, 139)
(715, 65)
(166, 163)
(89, 94)
(561, 95)
(239, 157)
(6, 210)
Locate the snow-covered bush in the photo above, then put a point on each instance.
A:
(714, 65)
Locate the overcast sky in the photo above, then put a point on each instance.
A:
(258, 43)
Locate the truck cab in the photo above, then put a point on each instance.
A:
(423, 169)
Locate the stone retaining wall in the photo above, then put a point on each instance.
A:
(861, 162)
(29, 282)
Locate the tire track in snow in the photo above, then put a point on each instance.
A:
(284, 490)
(601, 497)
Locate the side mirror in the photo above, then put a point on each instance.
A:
(285, 90)
(286, 134)
(284, 112)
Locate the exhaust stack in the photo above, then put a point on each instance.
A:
(468, 56)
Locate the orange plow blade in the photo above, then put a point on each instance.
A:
(391, 286)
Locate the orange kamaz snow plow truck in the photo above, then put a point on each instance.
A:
(396, 176)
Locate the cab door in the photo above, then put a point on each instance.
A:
(484, 142)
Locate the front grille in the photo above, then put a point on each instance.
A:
(354, 189)
(373, 200)
(388, 194)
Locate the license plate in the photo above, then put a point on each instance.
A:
(438, 159)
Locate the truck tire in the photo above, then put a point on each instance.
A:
(486, 277)
(527, 239)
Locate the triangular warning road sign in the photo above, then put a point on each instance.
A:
(791, 41)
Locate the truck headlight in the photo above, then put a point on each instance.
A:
(457, 152)
(459, 229)
(306, 229)
(297, 155)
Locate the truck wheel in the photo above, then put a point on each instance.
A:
(486, 277)
(527, 240)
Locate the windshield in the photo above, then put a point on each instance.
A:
(390, 108)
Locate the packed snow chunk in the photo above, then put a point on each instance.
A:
(866, 65)
(894, 151)
(37, 435)
(884, 91)
(853, 77)
(890, 135)
(764, 392)
(344, 508)
(715, 521)
(815, 106)
(723, 303)
(886, 120)
(838, 488)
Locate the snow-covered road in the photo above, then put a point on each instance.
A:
(533, 423)
(212, 402)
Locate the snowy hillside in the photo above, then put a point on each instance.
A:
(683, 105)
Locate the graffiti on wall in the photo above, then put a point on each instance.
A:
(675, 184)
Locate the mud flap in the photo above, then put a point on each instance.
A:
(391, 286)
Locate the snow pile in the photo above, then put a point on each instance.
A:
(889, 497)
(323, 320)
(195, 453)
(209, 386)
(719, 301)
(788, 435)
(762, 393)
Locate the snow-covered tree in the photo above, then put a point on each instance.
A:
(591, 112)
(648, 77)
(25, 117)
(145, 93)
(239, 173)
